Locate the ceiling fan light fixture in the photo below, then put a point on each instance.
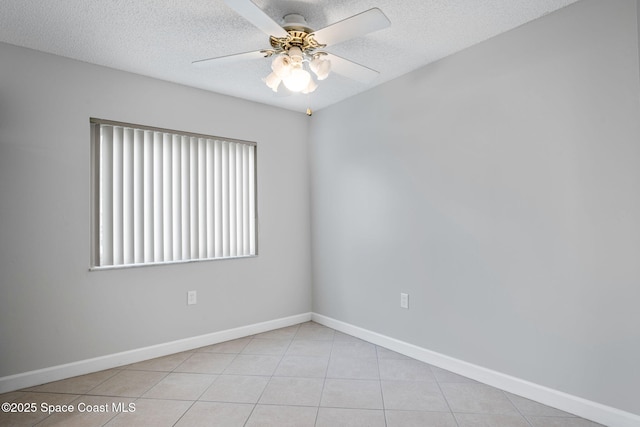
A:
(314, 64)
(272, 81)
(295, 43)
(298, 80)
(281, 65)
(312, 86)
(320, 67)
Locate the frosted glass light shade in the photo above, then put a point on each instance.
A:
(281, 66)
(273, 81)
(298, 80)
(310, 87)
(321, 67)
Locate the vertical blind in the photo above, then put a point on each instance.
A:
(164, 196)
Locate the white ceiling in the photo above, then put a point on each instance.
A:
(161, 38)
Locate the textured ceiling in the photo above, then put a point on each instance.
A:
(161, 38)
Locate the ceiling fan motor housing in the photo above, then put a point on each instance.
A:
(294, 21)
(299, 35)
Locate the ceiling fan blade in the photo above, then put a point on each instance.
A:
(350, 69)
(257, 17)
(228, 59)
(355, 26)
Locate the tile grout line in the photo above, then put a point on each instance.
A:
(85, 395)
(175, 371)
(324, 379)
(453, 415)
(517, 409)
(255, 405)
(384, 410)
(272, 374)
(193, 402)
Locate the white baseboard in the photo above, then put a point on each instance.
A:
(584, 408)
(81, 367)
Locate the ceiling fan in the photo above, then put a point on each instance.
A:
(294, 44)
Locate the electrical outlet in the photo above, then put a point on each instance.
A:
(192, 298)
(404, 300)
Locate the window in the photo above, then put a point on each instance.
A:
(163, 196)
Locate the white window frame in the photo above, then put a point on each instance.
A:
(161, 196)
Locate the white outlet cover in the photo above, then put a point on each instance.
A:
(404, 300)
(192, 297)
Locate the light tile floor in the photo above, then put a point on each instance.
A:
(303, 375)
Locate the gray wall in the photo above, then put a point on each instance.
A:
(52, 309)
(498, 187)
